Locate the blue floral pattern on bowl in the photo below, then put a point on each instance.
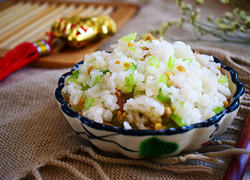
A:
(152, 143)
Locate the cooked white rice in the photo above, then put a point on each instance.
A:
(164, 85)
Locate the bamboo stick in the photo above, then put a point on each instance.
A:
(96, 11)
(10, 9)
(22, 23)
(5, 5)
(19, 22)
(88, 10)
(21, 33)
(18, 16)
(44, 25)
(108, 10)
(79, 9)
(42, 34)
(15, 13)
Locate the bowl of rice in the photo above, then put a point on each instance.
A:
(149, 98)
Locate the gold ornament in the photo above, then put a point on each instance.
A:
(78, 32)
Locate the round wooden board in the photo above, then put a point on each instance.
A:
(67, 57)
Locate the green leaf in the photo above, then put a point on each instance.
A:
(88, 103)
(105, 71)
(163, 98)
(162, 79)
(133, 67)
(210, 18)
(218, 109)
(129, 83)
(93, 60)
(188, 59)
(154, 61)
(222, 79)
(199, 1)
(129, 37)
(178, 120)
(224, 1)
(131, 49)
(171, 125)
(171, 63)
(228, 15)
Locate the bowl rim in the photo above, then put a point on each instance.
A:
(141, 132)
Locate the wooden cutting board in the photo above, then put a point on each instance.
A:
(28, 20)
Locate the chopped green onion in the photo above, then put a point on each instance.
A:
(75, 74)
(154, 61)
(178, 120)
(131, 49)
(182, 104)
(163, 79)
(105, 71)
(218, 109)
(148, 41)
(129, 37)
(163, 98)
(222, 79)
(73, 78)
(129, 83)
(133, 67)
(93, 60)
(188, 59)
(84, 88)
(171, 63)
(88, 103)
(171, 125)
(97, 79)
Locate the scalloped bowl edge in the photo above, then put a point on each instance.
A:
(153, 143)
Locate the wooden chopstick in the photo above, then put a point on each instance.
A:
(15, 13)
(16, 27)
(61, 11)
(5, 5)
(20, 20)
(240, 162)
(98, 10)
(41, 35)
(79, 9)
(19, 37)
(45, 27)
(108, 10)
(10, 9)
(17, 16)
(88, 10)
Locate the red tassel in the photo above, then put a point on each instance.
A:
(18, 57)
(22, 55)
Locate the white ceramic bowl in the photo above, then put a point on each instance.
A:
(152, 143)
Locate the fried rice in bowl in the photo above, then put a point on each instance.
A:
(149, 98)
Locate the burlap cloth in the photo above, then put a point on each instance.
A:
(36, 142)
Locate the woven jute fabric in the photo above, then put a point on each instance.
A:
(37, 143)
